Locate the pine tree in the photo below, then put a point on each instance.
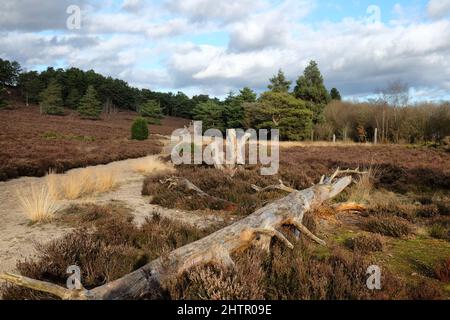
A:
(51, 99)
(335, 94)
(247, 95)
(279, 83)
(211, 114)
(151, 110)
(90, 107)
(73, 99)
(277, 110)
(311, 89)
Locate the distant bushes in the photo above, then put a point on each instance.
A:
(139, 129)
(407, 124)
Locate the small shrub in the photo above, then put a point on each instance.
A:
(428, 211)
(38, 203)
(425, 290)
(388, 226)
(365, 243)
(210, 282)
(442, 270)
(439, 231)
(139, 130)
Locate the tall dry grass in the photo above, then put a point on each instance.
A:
(81, 183)
(38, 203)
(151, 165)
(361, 192)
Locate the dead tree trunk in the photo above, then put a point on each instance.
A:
(258, 228)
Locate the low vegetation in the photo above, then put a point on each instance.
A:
(151, 165)
(31, 145)
(38, 203)
(388, 226)
(80, 183)
(139, 129)
(107, 245)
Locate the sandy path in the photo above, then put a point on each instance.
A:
(18, 237)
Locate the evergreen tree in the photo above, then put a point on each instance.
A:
(90, 107)
(211, 114)
(31, 86)
(279, 83)
(51, 99)
(9, 72)
(247, 95)
(311, 89)
(73, 99)
(277, 110)
(335, 94)
(151, 109)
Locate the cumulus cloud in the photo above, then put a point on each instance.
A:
(30, 15)
(223, 10)
(171, 45)
(438, 8)
(271, 28)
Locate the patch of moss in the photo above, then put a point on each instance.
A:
(417, 255)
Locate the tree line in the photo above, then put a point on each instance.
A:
(301, 111)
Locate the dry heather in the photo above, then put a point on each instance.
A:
(115, 246)
(106, 245)
(31, 144)
(38, 203)
(394, 168)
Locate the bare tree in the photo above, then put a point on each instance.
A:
(396, 95)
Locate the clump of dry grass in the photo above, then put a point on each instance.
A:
(80, 183)
(362, 190)
(38, 203)
(151, 165)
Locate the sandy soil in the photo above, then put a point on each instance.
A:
(18, 236)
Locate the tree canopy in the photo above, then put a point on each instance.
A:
(279, 83)
(311, 89)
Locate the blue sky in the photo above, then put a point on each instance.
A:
(204, 46)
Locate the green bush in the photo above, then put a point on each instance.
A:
(139, 130)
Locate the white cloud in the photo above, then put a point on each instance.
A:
(223, 10)
(169, 45)
(438, 8)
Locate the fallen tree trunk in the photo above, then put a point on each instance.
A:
(258, 228)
